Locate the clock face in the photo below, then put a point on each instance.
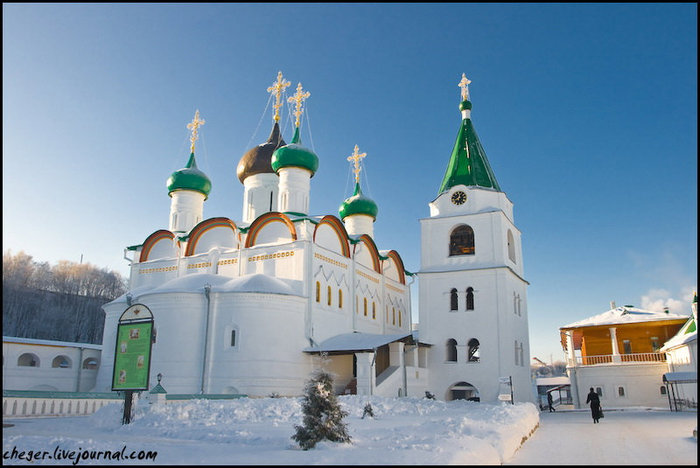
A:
(459, 198)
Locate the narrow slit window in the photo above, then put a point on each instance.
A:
(470, 298)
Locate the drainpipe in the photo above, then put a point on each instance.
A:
(207, 290)
(372, 377)
(80, 367)
(311, 285)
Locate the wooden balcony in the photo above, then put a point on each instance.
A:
(635, 358)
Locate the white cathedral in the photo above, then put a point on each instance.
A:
(253, 307)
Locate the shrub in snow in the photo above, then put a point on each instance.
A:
(367, 411)
(323, 416)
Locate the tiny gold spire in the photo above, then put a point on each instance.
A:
(464, 84)
(355, 157)
(194, 126)
(299, 98)
(277, 88)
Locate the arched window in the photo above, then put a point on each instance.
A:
(62, 361)
(28, 360)
(452, 350)
(318, 291)
(473, 350)
(90, 363)
(462, 241)
(470, 298)
(453, 299)
(329, 295)
(511, 247)
(393, 316)
(340, 298)
(374, 311)
(365, 302)
(400, 314)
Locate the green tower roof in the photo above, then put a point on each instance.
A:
(294, 155)
(358, 204)
(189, 178)
(468, 164)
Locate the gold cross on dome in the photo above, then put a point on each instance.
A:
(299, 98)
(194, 126)
(278, 88)
(355, 157)
(464, 84)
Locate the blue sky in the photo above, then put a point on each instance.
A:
(587, 113)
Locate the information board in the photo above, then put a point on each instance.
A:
(132, 356)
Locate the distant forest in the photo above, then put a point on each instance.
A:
(61, 302)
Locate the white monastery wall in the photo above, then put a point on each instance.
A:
(49, 365)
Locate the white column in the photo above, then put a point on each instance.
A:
(615, 349)
(570, 348)
(365, 373)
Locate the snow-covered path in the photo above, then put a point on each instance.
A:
(623, 437)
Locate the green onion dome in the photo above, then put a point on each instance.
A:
(358, 204)
(189, 178)
(257, 160)
(295, 155)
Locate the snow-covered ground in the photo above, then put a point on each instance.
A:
(258, 431)
(633, 436)
(403, 431)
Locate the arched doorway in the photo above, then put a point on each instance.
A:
(463, 391)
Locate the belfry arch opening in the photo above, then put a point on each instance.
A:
(462, 240)
(463, 391)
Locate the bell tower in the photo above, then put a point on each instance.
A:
(472, 295)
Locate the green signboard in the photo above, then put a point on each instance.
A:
(132, 356)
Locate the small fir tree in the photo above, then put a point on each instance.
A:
(323, 416)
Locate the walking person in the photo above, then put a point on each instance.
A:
(549, 401)
(594, 400)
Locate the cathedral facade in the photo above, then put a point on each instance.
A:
(253, 307)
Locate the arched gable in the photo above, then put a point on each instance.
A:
(370, 248)
(158, 245)
(393, 267)
(331, 234)
(270, 227)
(212, 232)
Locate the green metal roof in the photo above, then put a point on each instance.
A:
(189, 178)
(468, 164)
(358, 204)
(294, 155)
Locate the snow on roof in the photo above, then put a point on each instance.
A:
(355, 342)
(195, 282)
(258, 283)
(620, 315)
(562, 380)
(681, 338)
(34, 341)
(680, 377)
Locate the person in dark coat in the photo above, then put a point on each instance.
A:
(549, 401)
(594, 400)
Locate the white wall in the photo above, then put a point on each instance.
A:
(641, 382)
(45, 376)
